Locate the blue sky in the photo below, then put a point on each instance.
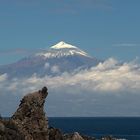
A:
(104, 28)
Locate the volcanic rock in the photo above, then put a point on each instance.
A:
(9, 131)
(55, 134)
(74, 136)
(30, 117)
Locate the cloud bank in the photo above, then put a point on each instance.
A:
(109, 88)
(109, 76)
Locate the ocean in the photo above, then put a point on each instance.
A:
(127, 128)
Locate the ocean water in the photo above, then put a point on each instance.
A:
(119, 127)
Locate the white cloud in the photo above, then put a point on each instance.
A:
(109, 64)
(47, 66)
(55, 69)
(108, 77)
(109, 83)
(3, 77)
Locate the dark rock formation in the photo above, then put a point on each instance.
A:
(29, 122)
(30, 117)
(55, 134)
(87, 137)
(9, 131)
(77, 136)
(108, 138)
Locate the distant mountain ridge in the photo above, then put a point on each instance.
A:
(56, 60)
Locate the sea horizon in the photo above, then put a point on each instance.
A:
(127, 128)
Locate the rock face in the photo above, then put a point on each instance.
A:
(76, 136)
(30, 118)
(9, 131)
(55, 134)
(109, 138)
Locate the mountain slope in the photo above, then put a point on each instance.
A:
(59, 58)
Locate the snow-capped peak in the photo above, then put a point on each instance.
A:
(63, 45)
(62, 49)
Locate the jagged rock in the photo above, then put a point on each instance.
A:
(55, 134)
(87, 137)
(108, 138)
(9, 131)
(2, 127)
(77, 136)
(30, 117)
(74, 136)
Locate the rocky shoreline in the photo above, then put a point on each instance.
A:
(29, 122)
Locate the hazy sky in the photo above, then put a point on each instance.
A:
(104, 28)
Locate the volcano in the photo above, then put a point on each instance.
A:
(60, 58)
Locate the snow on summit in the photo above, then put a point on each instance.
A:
(62, 45)
(62, 49)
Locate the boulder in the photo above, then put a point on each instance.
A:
(108, 138)
(55, 134)
(88, 137)
(74, 136)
